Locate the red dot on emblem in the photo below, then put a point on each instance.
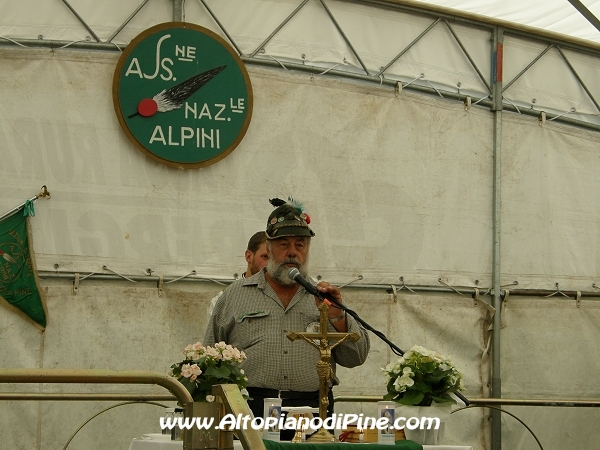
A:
(147, 107)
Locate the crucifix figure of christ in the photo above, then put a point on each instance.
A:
(324, 369)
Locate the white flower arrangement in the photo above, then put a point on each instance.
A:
(421, 377)
(204, 367)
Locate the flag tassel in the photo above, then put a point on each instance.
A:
(44, 193)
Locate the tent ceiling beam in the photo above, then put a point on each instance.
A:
(576, 75)
(276, 30)
(408, 47)
(536, 59)
(476, 20)
(380, 75)
(591, 18)
(341, 31)
(57, 45)
(132, 15)
(87, 27)
(220, 25)
(466, 53)
(261, 61)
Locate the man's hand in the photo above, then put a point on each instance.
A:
(334, 291)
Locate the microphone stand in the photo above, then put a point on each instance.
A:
(329, 299)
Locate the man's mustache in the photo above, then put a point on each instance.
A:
(291, 261)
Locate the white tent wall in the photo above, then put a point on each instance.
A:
(129, 214)
(398, 185)
(549, 207)
(545, 342)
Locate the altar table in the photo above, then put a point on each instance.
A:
(158, 443)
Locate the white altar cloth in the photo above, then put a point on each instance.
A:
(157, 442)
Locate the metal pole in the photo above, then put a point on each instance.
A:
(131, 16)
(486, 401)
(178, 12)
(589, 16)
(218, 22)
(593, 295)
(87, 27)
(96, 376)
(86, 397)
(279, 27)
(497, 60)
(408, 47)
(341, 31)
(536, 59)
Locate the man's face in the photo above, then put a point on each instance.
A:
(285, 253)
(257, 260)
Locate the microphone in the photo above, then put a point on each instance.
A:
(294, 274)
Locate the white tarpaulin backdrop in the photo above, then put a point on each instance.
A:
(397, 184)
(389, 198)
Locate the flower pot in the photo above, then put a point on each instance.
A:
(206, 439)
(421, 421)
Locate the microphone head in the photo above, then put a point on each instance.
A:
(293, 273)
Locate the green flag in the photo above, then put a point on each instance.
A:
(18, 276)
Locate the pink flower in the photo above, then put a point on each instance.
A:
(195, 370)
(214, 353)
(186, 371)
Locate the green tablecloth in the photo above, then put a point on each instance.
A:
(400, 445)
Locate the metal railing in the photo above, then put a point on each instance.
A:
(493, 404)
(485, 401)
(92, 376)
(95, 376)
(180, 393)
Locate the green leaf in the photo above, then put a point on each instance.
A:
(411, 398)
(217, 372)
(421, 386)
(443, 398)
(389, 397)
(436, 377)
(189, 385)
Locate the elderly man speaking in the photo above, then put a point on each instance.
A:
(254, 315)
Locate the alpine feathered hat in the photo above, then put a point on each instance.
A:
(288, 219)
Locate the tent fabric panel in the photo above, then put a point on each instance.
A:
(369, 162)
(549, 219)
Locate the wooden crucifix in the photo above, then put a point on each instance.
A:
(324, 369)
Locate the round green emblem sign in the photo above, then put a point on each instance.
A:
(182, 95)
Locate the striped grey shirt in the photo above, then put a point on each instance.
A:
(250, 316)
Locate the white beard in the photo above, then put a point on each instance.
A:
(279, 271)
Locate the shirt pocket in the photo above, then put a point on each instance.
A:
(309, 317)
(250, 328)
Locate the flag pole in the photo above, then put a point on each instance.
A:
(43, 193)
